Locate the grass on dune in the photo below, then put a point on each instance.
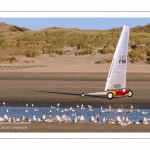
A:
(85, 42)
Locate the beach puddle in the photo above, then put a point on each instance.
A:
(100, 114)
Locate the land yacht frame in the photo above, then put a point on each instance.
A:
(116, 79)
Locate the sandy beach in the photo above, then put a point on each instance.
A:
(47, 89)
(63, 80)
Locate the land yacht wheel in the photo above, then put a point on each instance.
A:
(82, 95)
(110, 95)
(130, 94)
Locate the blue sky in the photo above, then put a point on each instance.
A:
(80, 23)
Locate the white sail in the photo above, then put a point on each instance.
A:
(117, 74)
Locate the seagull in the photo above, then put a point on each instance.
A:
(17, 119)
(144, 112)
(103, 119)
(81, 118)
(70, 108)
(73, 114)
(9, 120)
(13, 119)
(110, 121)
(82, 107)
(43, 117)
(89, 106)
(23, 118)
(138, 110)
(32, 105)
(137, 122)
(58, 105)
(92, 120)
(103, 110)
(109, 109)
(27, 120)
(123, 121)
(123, 118)
(36, 109)
(51, 119)
(66, 118)
(6, 117)
(38, 119)
(34, 118)
(7, 110)
(26, 110)
(26, 105)
(78, 118)
(129, 110)
(127, 120)
(119, 110)
(124, 124)
(90, 109)
(75, 119)
(3, 103)
(78, 106)
(52, 107)
(144, 121)
(59, 119)
(97, 117)
(119, 120)
(50, 110)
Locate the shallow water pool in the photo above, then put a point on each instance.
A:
(29, 112)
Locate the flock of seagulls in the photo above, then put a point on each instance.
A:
(13, 119)
(120, 120)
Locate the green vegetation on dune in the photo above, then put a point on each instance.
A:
(16, 41)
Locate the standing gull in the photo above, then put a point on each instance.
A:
(59, 119)
(66, 118)
(34, 118)
(92, 119)
(58, 105)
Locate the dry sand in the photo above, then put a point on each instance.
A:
(71, 63)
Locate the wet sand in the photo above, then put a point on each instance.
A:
(47, 89)
(72, 127)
